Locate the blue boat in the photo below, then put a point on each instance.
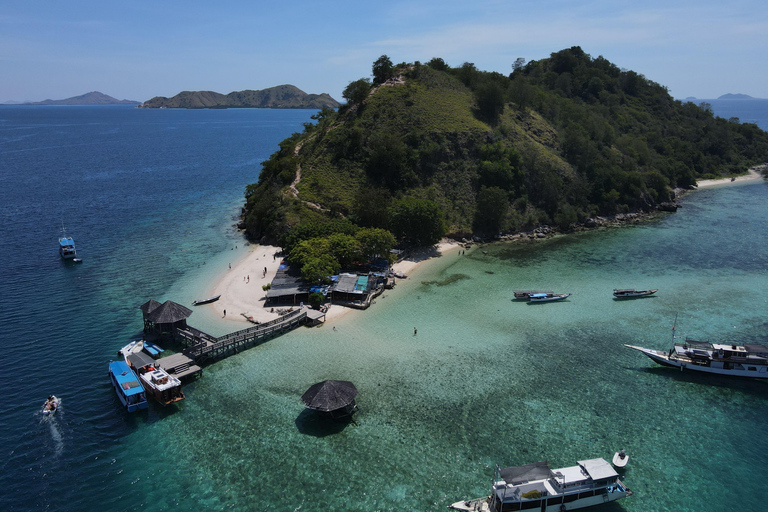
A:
(67, 248)
(127, 386)
(152, 349)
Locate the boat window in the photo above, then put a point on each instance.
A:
(752, 368)
(570, 498)
(530, 504)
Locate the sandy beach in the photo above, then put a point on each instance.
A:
(752, 174)
(241, 287)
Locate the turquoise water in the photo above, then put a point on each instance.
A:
(486, 380)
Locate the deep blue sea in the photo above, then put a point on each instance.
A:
(151, 198)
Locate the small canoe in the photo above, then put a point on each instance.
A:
(620, 459)
(206, 301)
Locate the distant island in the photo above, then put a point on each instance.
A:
(735, 97)
(91, 98)
(728, 96)
(281, 96)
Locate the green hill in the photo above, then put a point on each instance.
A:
(282, 96)
(427, 149)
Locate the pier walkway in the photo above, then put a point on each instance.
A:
(202, 346)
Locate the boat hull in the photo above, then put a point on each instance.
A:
(133, 402)
(633, 294)
(758, 371)
(554, 298)
(552, 503)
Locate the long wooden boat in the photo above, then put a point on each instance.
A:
(631, 293)
(526, 294)
(548, 297)
(537, 487)
(206, 301)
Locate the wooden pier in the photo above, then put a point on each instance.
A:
(203, 347)
(169, 320)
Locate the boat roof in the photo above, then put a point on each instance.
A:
(537, 295)
(125, 378)
(140, 360)
(66, 241)
(515, 475)
(598, 469)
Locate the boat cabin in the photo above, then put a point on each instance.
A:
(537, 487)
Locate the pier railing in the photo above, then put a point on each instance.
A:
(202, 346)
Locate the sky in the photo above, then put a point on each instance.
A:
(54, 49)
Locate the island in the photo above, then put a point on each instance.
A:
(281, 96)
(426, 150)
(91, 98)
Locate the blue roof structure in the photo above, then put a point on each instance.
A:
(125, 377)
(66, 241)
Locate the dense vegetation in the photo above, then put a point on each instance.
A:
(426, 149)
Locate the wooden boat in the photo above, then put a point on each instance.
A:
(631, 293)
(749, 360)
(547, 297)
(206, 301)
(526, 294)
(620, 459)
(537, 487)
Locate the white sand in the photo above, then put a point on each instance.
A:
(752, 174)
(240, 288)
(241, 295)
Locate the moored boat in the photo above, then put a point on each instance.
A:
(206, 301)
(748, 360)
(537, 487)
(127, 386)
(620, 459)
(67, 249)
(631, 293)
(547, 297)
(158, 383)
(526, 294)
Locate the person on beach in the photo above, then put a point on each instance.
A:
(225, 313)
(414, 331)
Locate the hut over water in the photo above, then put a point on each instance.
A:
(164, 318)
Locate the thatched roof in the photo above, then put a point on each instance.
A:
(169, 312)
(149, 306)
(330, 395)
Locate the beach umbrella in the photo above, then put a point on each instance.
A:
(329, 395)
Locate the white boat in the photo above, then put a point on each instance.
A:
(51, 405)
(748, 360)
(131, 348)
(157, 382)
(547, 297)
(537, 487)
(631, 293)
(620, 459)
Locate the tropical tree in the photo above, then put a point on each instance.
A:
(375, 242)
(356, 92)
(382, 70)
(417, 221)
